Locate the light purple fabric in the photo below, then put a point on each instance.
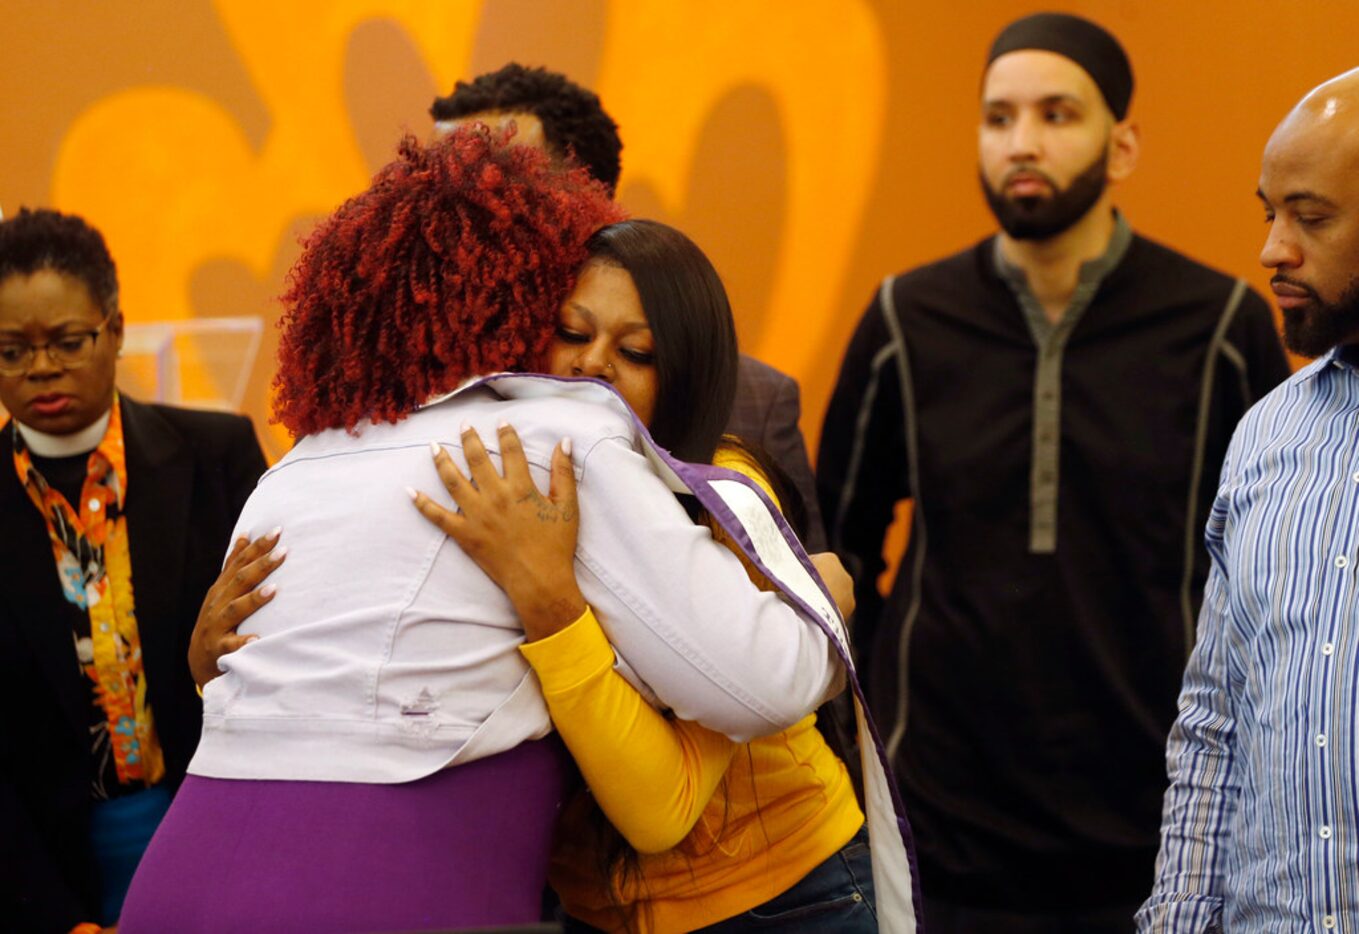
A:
(387, 654)
(464, 847)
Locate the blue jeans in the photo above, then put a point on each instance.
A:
(835, 896)
(120, 831)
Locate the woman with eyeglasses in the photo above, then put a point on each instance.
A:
(114, 516)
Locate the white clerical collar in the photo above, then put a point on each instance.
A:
(81, 442)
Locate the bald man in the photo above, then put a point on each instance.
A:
(1261, 822)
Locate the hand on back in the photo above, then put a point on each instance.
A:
(234, 596)
(523, 540)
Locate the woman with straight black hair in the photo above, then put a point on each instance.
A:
(709, 832)
(679, 828)
(691, 323)
(356, 756)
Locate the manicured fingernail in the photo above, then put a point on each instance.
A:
(566, 446)
(434, 448)
(279, 553)
(464, 428)
(502, 425)
(410, 491)
(277, 531)
(267, 591)
(250, 639)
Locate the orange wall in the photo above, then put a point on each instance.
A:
(809, 147)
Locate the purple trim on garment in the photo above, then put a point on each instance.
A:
(696, 478)
(704, 474)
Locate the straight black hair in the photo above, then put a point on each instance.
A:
(690, 317)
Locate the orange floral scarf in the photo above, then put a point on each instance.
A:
(95, 567)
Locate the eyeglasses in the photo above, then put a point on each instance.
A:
(70, 350)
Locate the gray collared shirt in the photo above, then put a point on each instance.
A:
(1050, 338)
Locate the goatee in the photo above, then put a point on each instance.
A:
(1316, 327)
(1038, 218)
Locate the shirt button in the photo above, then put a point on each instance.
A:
(94, 505)
(1356, 476)
(103, 627)
(1321, 740)
(1341, 561)
(1324, 833)
(1328, 922)
(1327, 649)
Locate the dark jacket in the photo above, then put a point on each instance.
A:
(189, 473)
(1025, 686)
(766, 414)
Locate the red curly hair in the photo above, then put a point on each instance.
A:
(453, 263)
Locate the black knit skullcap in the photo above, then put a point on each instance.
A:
(1080, 40)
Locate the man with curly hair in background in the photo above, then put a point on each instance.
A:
(552, 112)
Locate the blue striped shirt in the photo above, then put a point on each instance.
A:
(1260, 830)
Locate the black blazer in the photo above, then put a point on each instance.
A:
(189, 474)
(766, 413)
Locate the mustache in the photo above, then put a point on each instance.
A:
(1281, 279)
(1028, 170)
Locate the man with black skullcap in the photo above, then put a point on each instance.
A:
(1056, 401)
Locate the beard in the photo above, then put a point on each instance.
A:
(1315, 328)
(1038, 218)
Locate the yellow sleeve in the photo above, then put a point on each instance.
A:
(652, 776)
(735, 458)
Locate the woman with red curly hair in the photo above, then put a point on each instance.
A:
(374, 756)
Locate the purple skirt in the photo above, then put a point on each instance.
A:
(464, 847)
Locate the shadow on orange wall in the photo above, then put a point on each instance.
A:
(809, 148)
